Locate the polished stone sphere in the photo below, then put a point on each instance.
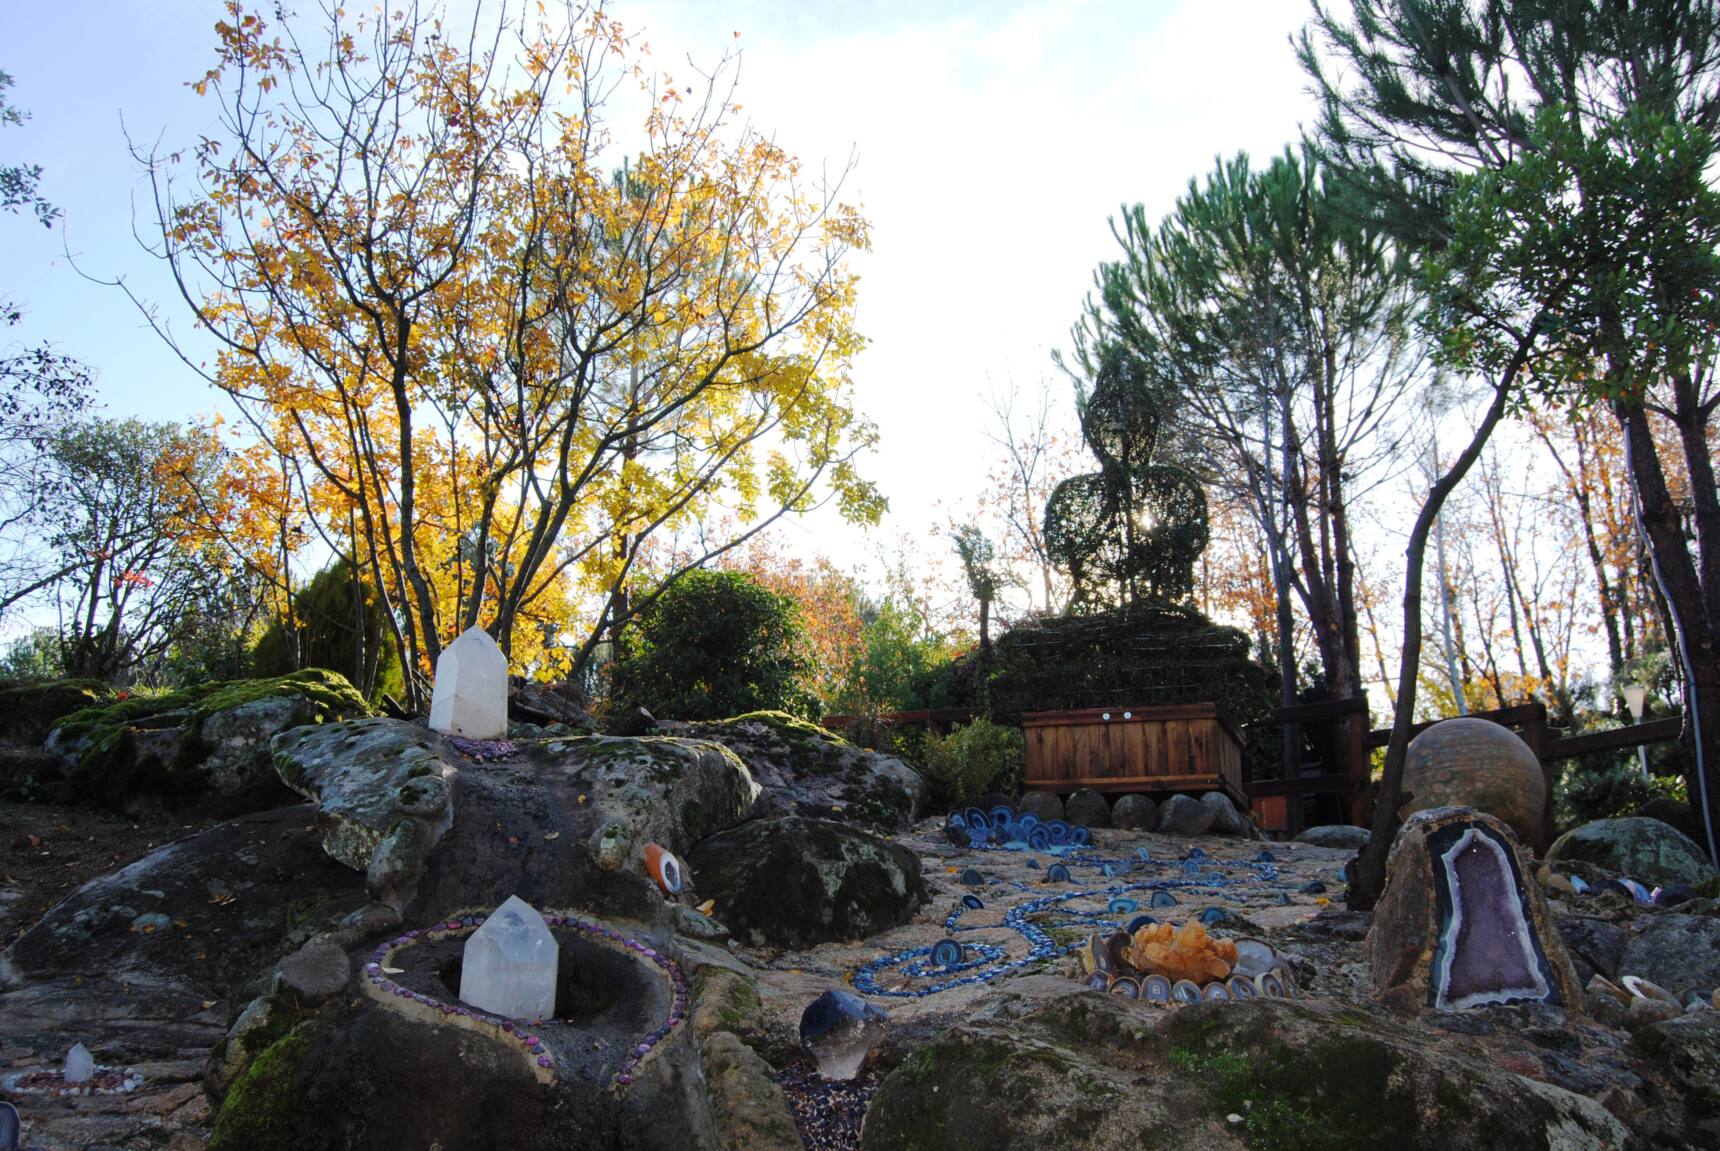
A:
(1479, 764)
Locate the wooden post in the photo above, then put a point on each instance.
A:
(1361, 783)
(1534, 733)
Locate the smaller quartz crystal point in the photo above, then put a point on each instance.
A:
(509, 966)
(80, 1064)
(839, 1029)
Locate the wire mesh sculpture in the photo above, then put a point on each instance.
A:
(1133, 530)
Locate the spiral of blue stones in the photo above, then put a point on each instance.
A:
(985, 962)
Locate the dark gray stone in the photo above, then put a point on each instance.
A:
(1087, 808)
(633, 724)
(1185, 815)
(1679, 952)
(1226, 820)
(314, 974)
(1043, 805)
(1340, 835)
(1135, 812)
(1596, 947)
(1647, 850)
(796, 882)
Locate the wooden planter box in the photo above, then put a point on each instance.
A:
(1180, 747)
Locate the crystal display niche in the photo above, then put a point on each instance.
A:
(509, 966)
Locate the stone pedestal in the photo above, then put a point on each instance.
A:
(470, 699)
(1461, 924)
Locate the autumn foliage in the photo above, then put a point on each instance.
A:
(492, 346)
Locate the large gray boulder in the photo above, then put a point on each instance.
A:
(1647, 850)
(1087, 808)
(145, 960)
(1184, 815)
(1340, 835)
(562, 823)
(1044, 806)
(210, 740)
(1679, 952)
(795, 882)
(1090, 1072)
(1134, 812)
(803, 769)
(384, 794)
(1226, 820)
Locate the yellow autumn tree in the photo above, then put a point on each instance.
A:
(502, 343)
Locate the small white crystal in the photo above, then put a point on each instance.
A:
(470, 698)
(510, 963)
(80, 1064)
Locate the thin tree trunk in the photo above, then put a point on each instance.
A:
(1370, 877)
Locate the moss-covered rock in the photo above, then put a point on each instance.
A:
(28, 711)
(210, 738)
(260, 1112)
(1090, 1071)
(1647, 850)
(797, 882)
(804, 769)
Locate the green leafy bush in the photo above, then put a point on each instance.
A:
(1604, 787)
(716, 644)
(328, 611)
(983, 756)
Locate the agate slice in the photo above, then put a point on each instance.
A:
(1155, 989)
(1126, 987)
(1186, 991)
(1487, 951)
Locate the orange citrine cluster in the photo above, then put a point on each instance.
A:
(1185, 952)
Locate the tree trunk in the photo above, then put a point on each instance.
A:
(1694, 638)
(1370, 876)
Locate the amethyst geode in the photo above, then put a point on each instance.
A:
(1459, 925)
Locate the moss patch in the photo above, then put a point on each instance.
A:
(105, 772)
(1313, 1099)
(261, 1108)
(28, 711)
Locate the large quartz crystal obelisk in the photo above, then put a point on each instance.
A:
(471, 695)
(509, 964)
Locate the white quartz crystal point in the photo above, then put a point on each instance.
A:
(470, 699)
(509, 964)
(80, 1064)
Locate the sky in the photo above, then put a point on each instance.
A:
(991, 144)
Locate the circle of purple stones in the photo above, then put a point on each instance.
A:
(519, 1031)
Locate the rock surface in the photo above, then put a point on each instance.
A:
(751, 1111)
(1135, 812)
(1089, 1072)
(1647, 850)
(1679, 952)
(314, 974)
(803, 769)
(797, 882)
(1087, 808)
(1185, 815)
(1596, 947)
(214, 738)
